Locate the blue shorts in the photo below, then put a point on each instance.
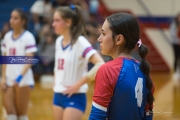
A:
(77, 101)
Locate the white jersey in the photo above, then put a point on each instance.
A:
(71, 63)
(21, 46)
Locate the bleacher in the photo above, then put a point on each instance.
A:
(6, 7)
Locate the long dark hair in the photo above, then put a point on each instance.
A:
(23, 16)
(127, 25)
(74, 13)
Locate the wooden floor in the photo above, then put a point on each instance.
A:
(166, 105)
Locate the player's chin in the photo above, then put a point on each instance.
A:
(56, 32)
(13, 26)
(103, 52)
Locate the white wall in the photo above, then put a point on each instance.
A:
(163, 47)
(156, 7)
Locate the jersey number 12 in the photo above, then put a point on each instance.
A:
(139, 91)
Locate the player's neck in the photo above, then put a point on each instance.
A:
(125, 55)
(66, 40)
(17, 32)
(119, 52)
(122, 54)
(67, 36)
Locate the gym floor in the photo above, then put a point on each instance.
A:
(166, 105)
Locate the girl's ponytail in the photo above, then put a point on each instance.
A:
(145, 67)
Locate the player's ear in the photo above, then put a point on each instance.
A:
(68, 22)
(120, 39)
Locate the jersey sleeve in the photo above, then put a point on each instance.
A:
(3, 47)
(86, 49)
(30, 44)
(104, 88)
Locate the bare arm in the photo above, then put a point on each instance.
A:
(3, 80)
(27, 66)
(25, 69)
(96, 58)
(3, 69)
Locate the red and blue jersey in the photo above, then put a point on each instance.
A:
(120, 92)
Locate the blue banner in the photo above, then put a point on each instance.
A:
(21, 59)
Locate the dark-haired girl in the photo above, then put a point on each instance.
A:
(123, 87)
(17, 79)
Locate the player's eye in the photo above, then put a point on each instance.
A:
(103, 33)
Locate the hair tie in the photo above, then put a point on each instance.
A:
(139, 43)
(73, 7)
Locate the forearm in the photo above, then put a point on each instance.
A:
(87, 78)
(82, 81)
(4, 69)
(97, 60)
(27, 66)
(92, 73)
(25, 69)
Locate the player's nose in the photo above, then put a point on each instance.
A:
(99, 39)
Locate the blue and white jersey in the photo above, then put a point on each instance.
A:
(20, 46)
(71, 63)
(120, 92)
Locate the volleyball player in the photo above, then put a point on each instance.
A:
(17, 79)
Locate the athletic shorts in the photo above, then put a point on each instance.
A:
(77, 101)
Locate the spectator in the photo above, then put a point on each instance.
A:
(47, 49)
(41, 8)
(175, 35)
(58, 3)
(41, 14)
(85, 8)
(5, 29)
